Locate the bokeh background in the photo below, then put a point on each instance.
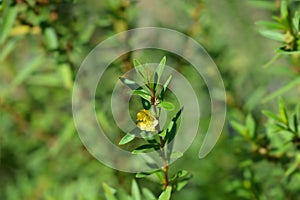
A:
(42, 44)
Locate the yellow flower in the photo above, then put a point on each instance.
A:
(146, 121)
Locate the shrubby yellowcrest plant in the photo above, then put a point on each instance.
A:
(152, 95)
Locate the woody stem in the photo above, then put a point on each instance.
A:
(165, 168)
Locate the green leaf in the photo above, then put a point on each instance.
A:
(283, 112)
(171, 130)
(160, 68)
(131, 84)
(144, 174)
(281, 51)
(140, 69)
(270, 25)
(146, 104)
(163, 133)
(179, 174)
(8, 48)
(145, 148)
(135, 192)
(294, 166)
(272, 115)
(126, 139)
(250, 123)
(66, 75)
(52, 79)
(295, 120)
(50, 38)
(296, 21)
(165, 195)
(160, 176)
(282, 90)
(122, 195)
(181, 184)
(8, 21)
(141, 93)
(29, 68)
(275, 58)
(165, 87)
(241, 129)
(266, 5)
(284, 9)
(166, 105)
(148, 194)
(176, 155)
(108, 192)
(274, 35)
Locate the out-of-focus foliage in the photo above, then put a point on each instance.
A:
(43, 42)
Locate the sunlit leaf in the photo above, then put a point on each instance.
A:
(165, 195)
(283, 112)
(135, 192)
(141, 93)
(50, 37)
(108, 192)
(284, 9)
(274, 35)
(270, 25)
(165, 87)
(126, 139)
(160, 68)
(241, 129)
(144, 174)
(148, 194)
(166, 105)
(8, 21)
(271, 115)
(140, 69)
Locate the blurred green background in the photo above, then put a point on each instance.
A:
(42, 44)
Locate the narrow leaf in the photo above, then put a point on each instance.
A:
(282, 90)
(131, 84)
(271, 115)
(160, 68)
(165, 195)
(135, 192)
(144, 174)
(273, 35)
(179, 174)
(140, 69)
(165, 87)
(145, 148)
(181, 184)
(293, 167)
(250, 125)
(166, 105)
(141, 93)
(126, 139)
(284, 9)
(295, 118)
(176, 155)
(148, 194)
(8, 21)
(296, 21)
(283, 112)
(29, 68)
(108, 192)
(50, 38)
(241, 129)
(270, 25)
